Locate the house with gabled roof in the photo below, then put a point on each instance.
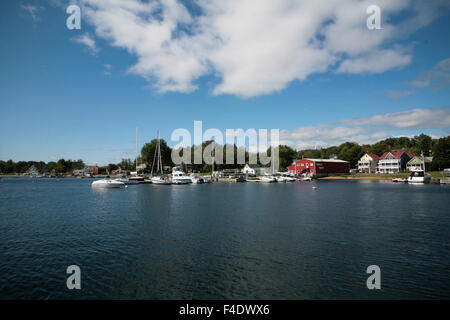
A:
(368, 163)
(418, 163)
(393, 161)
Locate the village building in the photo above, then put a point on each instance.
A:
(319, 167)
(32, 171)
(93, 170)
(254, 170)
(417, 163)
(81, 172)
(393, 162)
(368, 163)
(120, 171)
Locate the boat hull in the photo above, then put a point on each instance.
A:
(107, 184)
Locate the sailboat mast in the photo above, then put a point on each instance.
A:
(214, 154)
(423, 160)
(158, 150)
(136, 149)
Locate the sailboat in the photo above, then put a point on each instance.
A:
(159, 177)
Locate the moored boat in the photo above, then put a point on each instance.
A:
(196, 178)
(267, 179)
(179, 177)
(419, 176)
(161, 180)
(106, 183)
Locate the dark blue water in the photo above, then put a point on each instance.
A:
(224, 240)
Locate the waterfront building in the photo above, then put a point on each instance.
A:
(253, 170)
(393, 162)
(81, 172)
(319, 167)
(93, 170)
(120, 171)
(368, 163)
(32, 171)
(417, 163)
(248, 170)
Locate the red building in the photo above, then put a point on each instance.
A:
(93, 170)
(319, 167)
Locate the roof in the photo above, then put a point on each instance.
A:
(396, 154)
(373, 155)
(420, 160)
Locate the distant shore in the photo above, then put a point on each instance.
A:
(354, 178)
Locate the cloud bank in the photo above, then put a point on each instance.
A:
(367, 130)
(252, 47)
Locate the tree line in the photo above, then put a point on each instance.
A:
(348, 151)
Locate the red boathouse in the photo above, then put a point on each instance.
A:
(319, 167)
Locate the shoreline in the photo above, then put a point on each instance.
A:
(355, 178)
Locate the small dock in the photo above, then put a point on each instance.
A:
(237, 179)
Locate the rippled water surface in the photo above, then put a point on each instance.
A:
(224, 240)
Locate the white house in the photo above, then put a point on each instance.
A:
(393, 162)
(253, 170)
(368, 163)
(248, 170)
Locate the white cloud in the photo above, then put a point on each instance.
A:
(88, 41)
(367, 130)
(396, 94)
(107, 70)
(32, 10)
(438, 76)
(254, 47)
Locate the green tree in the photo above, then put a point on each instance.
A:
(148, 153)
(441, 154)
(350, 152)
(422, 143)
(287, 155)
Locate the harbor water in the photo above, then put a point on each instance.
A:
(224, 240)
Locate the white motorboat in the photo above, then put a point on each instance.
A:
(161, 180)
(267, 179)
(419, 176)
(281, 179)
(179, 177)
(290, 179)
(196, 178)
(399, 180)
(306, 179)
(105, 183)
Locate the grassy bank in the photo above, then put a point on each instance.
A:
(434, 174)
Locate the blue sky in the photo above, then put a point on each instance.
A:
(61, 97)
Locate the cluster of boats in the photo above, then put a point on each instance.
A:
(177, 177)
